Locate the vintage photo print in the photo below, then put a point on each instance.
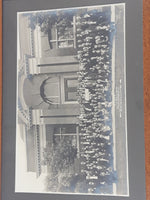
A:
(71, 130)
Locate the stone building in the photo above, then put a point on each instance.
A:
(47, 87)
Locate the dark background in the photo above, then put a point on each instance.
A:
(135, 121)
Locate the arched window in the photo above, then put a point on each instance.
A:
(50, 91)
(59, 90)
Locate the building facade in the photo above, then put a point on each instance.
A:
(47, 85)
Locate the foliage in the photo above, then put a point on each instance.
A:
(62, 20)
(60, 156)
(66, 182)
(46, 20)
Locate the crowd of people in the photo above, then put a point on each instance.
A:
(94, 45)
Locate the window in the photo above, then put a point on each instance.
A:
(67, 132)
(70, 88)
(63, 39)
(51, 90)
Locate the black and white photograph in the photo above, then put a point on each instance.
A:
(71, 126)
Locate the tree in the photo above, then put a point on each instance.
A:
(60, 156)
(66, 182)
(51, 183)
(50, 19)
